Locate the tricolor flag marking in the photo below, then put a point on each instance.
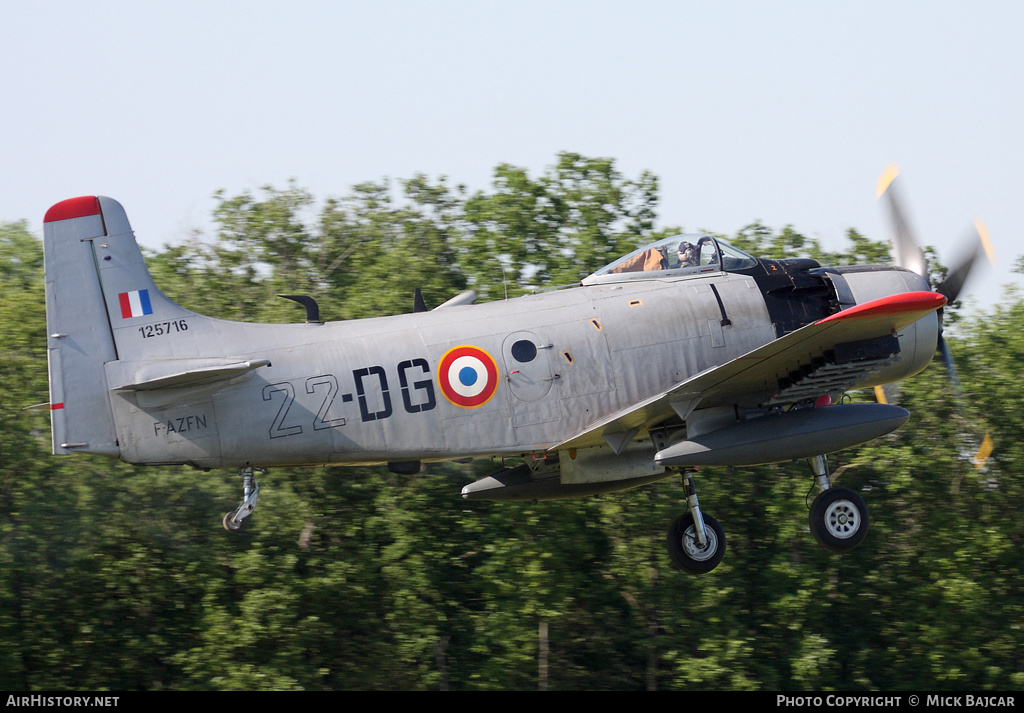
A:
(135, 303)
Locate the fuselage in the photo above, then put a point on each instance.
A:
(500, 378)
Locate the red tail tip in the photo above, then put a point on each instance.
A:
(80, 207)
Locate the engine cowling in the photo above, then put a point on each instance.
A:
(856, 285)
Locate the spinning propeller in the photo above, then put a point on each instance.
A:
(908, 254)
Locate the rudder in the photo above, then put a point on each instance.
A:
(79, 340)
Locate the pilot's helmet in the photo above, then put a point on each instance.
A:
(688, 253)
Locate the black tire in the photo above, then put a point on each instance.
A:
(838, 519)
(684, 551)
(230, 523)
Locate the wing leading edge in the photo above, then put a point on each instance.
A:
(790, 369)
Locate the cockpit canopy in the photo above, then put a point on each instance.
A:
(678, 256)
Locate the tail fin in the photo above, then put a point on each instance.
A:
(98, 294)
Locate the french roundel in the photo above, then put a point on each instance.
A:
(468, 376)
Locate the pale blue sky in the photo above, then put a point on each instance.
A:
(784, 112)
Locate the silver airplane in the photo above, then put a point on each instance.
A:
(685, 353)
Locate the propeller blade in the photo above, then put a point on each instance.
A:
(957, 276)
(984, 452)
(907, 253)
(906, 250)
(986, 446)
(954, 377)
(888, 393)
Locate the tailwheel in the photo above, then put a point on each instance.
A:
(250, 494)
(838, 519)
(684, 546)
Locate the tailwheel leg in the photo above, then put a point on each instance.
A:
(696, 542)
(838, 518)
(250, 494)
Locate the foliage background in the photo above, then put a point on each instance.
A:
(113, 577)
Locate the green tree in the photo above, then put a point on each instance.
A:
(556, 229)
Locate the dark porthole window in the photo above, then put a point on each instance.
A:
(524, 351)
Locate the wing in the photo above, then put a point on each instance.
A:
(829, 356)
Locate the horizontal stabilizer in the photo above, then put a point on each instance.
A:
(182, 373)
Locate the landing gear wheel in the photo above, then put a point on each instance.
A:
(230, 523)
(250, 494)
(685, 550)
(838, 519)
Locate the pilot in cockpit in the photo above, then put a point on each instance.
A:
(689, 255)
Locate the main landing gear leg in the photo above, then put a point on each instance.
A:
(838, 519)
(250, 493)
(696, 542)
